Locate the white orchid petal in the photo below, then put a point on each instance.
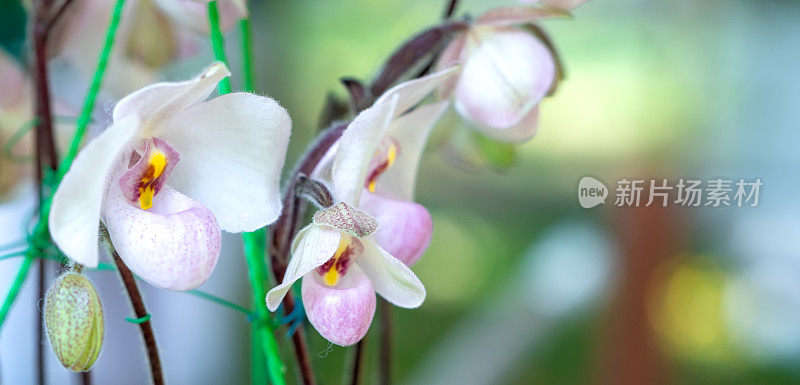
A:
(312, 247)
(356, 148)
(411, 132)
(174, 245)
(232, 152)
(392, 279)
(158, 102)
(75, 213)
(413, 91)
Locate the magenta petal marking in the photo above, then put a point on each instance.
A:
(342, 316)
(406, 227)
(349, 250)
(131, 181)
(175, 245)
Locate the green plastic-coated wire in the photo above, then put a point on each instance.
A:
(139, 320)
(94, 89)
(40, 233)
(254, 242)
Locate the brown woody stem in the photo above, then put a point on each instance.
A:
(385, 363)
(358, 358)
(140, 311)
(45, 144)
(450, 9)
(284, 230)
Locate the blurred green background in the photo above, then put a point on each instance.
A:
(675, 89)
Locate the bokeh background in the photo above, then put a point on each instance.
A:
(524, 285)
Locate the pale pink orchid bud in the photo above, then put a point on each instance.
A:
(505, 74)
(507, 67)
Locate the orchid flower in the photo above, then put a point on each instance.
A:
(506, 72)
(406, 226)
(225, 155)
(339, 254)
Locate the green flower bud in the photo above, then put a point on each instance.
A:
(73, 317)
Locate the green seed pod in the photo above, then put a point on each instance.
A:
(73, 317)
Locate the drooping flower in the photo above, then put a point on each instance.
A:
(225, 155)
(338, 254)
(406, 226)
(506, 71)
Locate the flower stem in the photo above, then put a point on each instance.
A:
(284, 230)
(140, 311)
(91, 95)
(40, 231)
(86, 377)
(218, 43)
(300, 346)
(45, 147)
(450, 9)
(358, 358)
(385, 366)
(263, 335)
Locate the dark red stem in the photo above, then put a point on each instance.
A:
(450, 9)
(358, 359)
(385, 363)
(140, 311)
(284, 230)
(45, 144)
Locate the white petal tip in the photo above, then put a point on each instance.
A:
(216, 70)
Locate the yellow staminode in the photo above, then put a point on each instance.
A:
(331, 277)
(155, 167)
